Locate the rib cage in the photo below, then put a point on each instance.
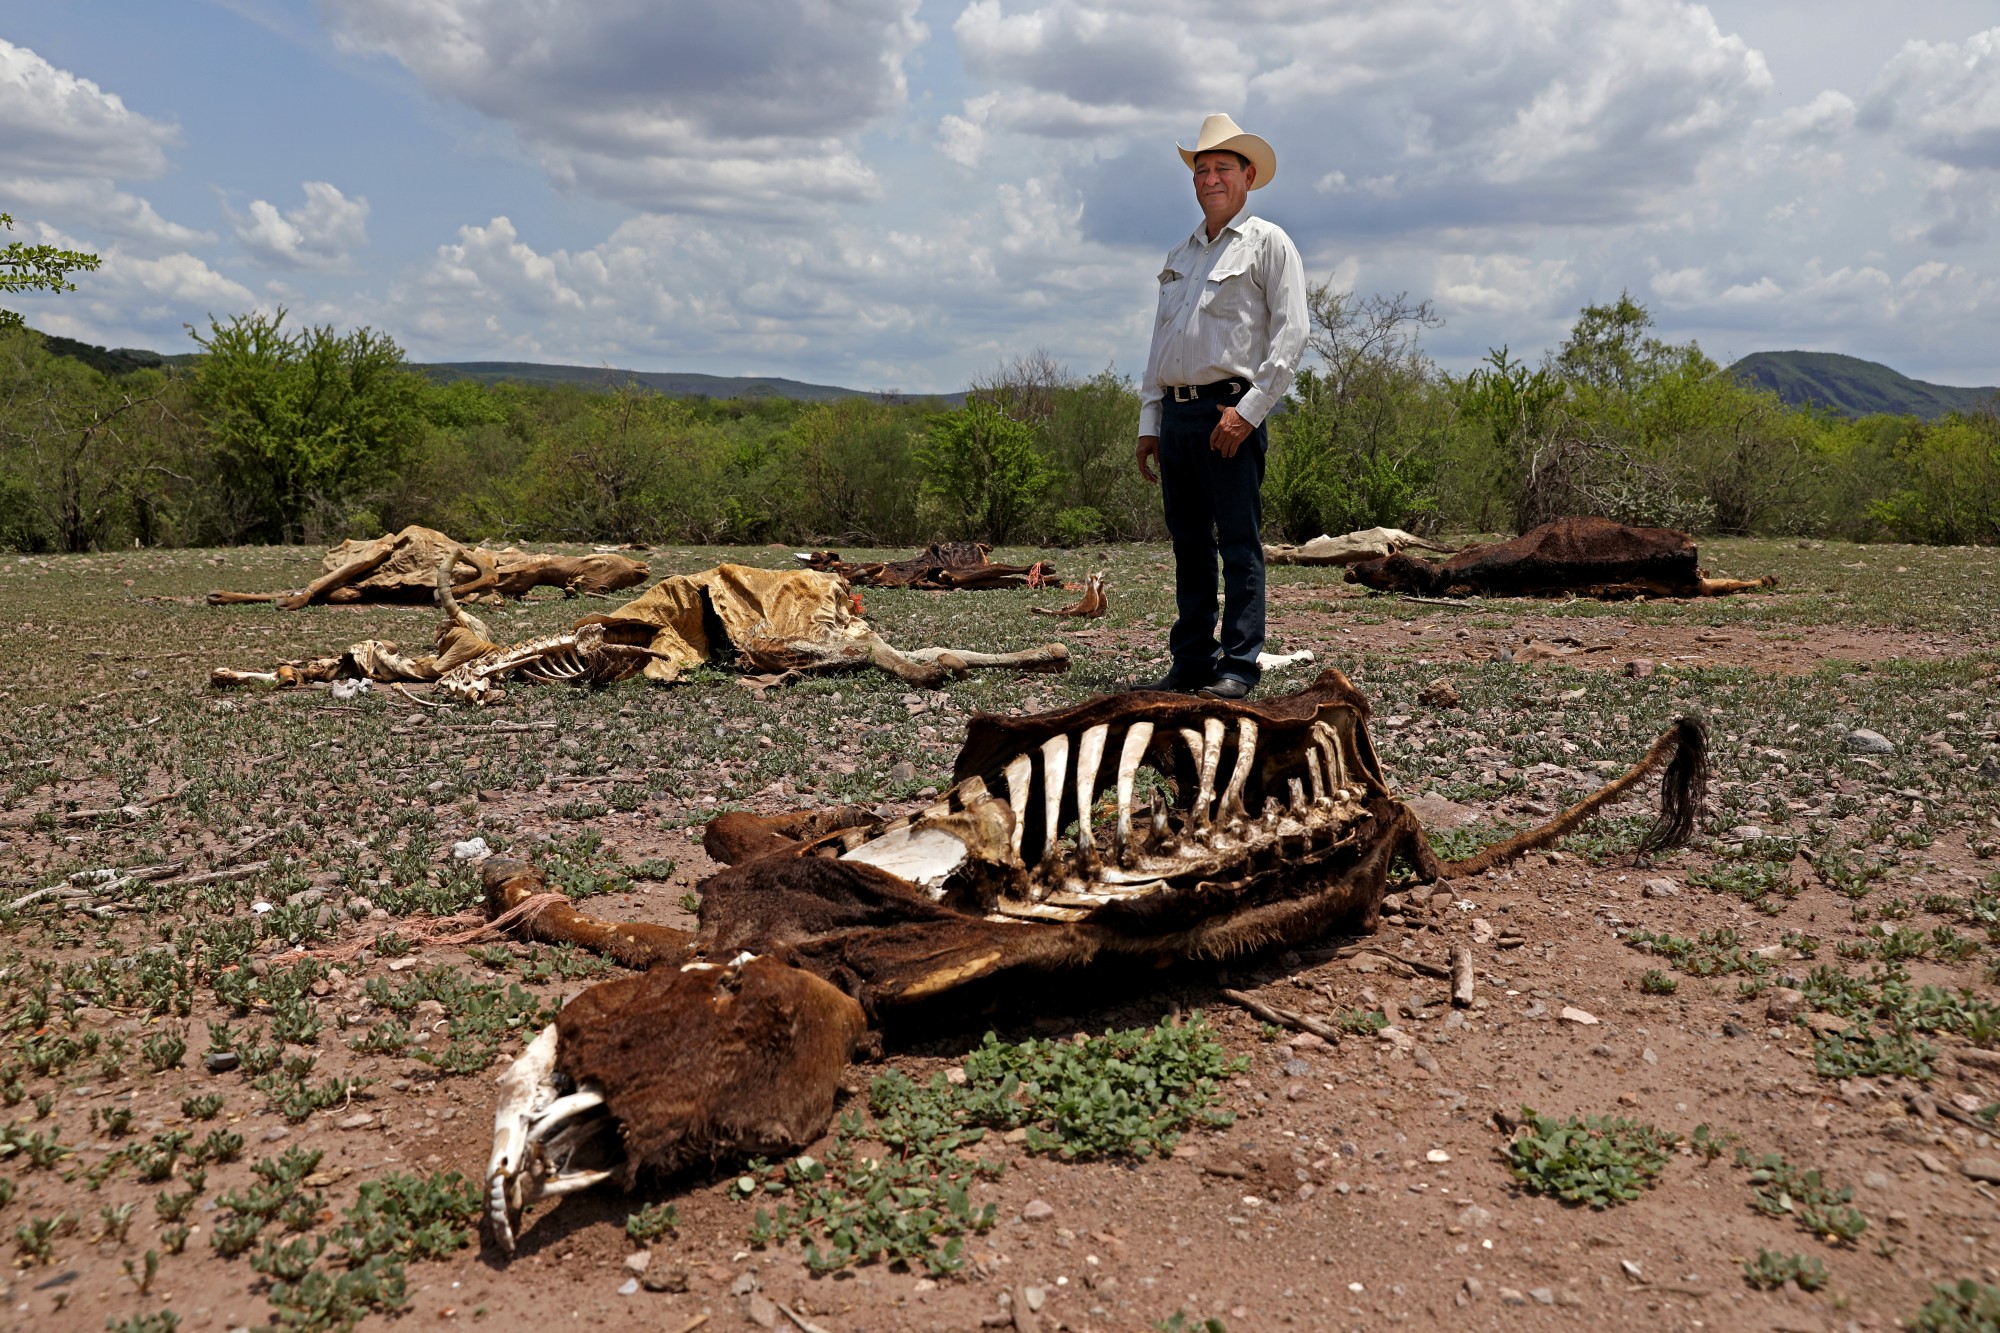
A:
(577, 656)
(1052, 827)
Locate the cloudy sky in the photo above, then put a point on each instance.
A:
(902, 193)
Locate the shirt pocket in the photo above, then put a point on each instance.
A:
(1172, 286)
(1230, 288)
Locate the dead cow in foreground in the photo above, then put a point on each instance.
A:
(1578, 557)
(939, 565)
(773, 620)
(402, 567)
(828, 924)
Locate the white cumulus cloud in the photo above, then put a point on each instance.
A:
(323, 233)
(60, 125)
(669, 105)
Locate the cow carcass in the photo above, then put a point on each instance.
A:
(402, 567)
(1571, 557)
(1350, 548)
(1141, 828)
(941, 565)
(769, 620)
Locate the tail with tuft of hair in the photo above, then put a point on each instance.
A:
(1682, 750)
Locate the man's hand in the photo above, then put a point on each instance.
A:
(1148, 454)
(1229, 433)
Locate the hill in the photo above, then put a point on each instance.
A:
(123, 360)
(675, 384)
(105, 360)
(1853, 387)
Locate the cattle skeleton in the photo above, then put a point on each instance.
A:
(772, 620)
(1145, 827)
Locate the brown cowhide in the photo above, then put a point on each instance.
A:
(1571, 557)
(941, 565)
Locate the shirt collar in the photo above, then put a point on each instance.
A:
(1235, 224)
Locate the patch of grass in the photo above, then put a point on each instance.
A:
(1781, 1189)
(1968, 1307)
(1872, 1054)
(1770, 1270)
(1754, 872)
(1713, 953)
(651, 1222)
(479, 1014)
(406, 1216)
(1178, 1322)
(1598, 1160)
(319, 1302)
(159, 1321)
(1127, 1094)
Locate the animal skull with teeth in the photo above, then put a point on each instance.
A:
(1141, 827)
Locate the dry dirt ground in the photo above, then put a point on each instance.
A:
(1361, 1185)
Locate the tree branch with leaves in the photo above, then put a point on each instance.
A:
(37, 268)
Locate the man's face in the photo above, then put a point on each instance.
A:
(1221, 185)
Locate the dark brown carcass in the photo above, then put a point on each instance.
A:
(1140, 827)
(1576, 557)
(939, 565)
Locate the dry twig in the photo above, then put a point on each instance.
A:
(1284, 1017)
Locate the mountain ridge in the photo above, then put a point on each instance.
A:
(1853, 387)
(675, 384)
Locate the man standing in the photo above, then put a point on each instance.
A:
(1226, 345)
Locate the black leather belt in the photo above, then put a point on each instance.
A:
(1188, 393)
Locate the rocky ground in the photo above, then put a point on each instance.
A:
(1815, 979)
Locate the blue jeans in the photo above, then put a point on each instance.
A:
(1214, 506)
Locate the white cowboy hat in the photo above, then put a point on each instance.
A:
(1221, 134)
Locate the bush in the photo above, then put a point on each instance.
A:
(982, 471)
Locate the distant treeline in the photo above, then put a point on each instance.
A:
(282, 434)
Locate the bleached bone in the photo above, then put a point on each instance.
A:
(1336, 763)
(1020, 783)
(923, 856)
(1317, 775)
(1055, 767)
(1136, 740)
(1211, 759)
(1298, 793)
(1089, 758)
(1239, 777)
(527, 1087)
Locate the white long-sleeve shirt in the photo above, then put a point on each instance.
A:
(1231, 308)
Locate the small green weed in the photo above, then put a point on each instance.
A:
(164, 1050)
(1783, 1190)
(652, 1222)
(1871, 1054)
(1598, 1160)
(1770, 1269)
(1713, 953)
(204, 1107)
(160, 1321)
(1969, 1307)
